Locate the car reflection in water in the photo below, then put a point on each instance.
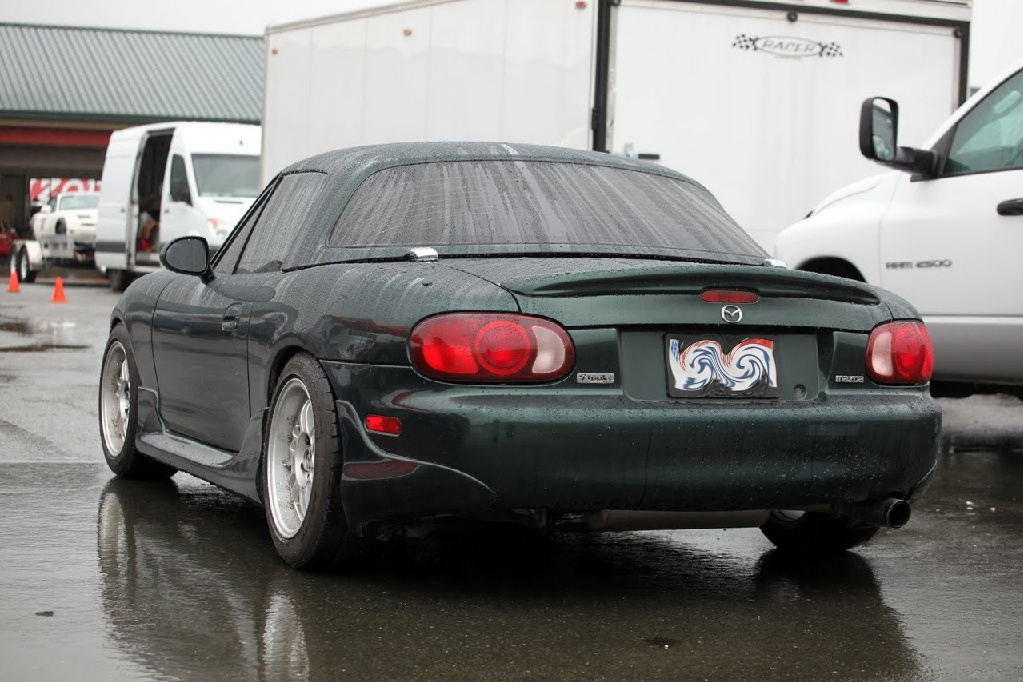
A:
(175, 593)
(192, 589)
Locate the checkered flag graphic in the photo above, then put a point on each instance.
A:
(831, 50)
(745, 42)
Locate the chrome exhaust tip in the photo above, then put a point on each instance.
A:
(890, 512)
(897, 513)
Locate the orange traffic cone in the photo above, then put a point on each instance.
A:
(13, 287)
(58, 291)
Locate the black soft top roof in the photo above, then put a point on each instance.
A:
(358, 162)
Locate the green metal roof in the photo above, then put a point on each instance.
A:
(95, 74)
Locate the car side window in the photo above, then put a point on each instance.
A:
(278, 227)
(179, 181)
(229, 254)
(990, 137)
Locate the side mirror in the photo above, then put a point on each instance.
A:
(879, 128)
(188, 256)
(879, 136)
(46, 209)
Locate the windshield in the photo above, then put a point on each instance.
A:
(226, 175)
(76, 202)
(545, 206)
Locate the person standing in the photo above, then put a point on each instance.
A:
(7, 213)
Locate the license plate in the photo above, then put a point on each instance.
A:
(711, 366)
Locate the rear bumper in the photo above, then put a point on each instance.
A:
(477, 450)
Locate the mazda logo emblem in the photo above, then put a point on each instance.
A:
(731, 313)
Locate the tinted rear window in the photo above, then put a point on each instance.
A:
(534, 203)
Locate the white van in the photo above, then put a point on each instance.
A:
(944, 230)
(168, 180)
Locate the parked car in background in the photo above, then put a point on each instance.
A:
(73, 214)
(944, 230)
(561, 338)
(63, 230)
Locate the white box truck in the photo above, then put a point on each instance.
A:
(168, 180)
(756, 100)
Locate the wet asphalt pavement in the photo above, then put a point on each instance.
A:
(104, 579)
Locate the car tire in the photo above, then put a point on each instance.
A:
(300, 479)
(118, 412)
(60, 228)
(118, 280)
(814, 533)
(20, 265)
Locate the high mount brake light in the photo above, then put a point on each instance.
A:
(900, 353)
(729, 296)
(491, 347)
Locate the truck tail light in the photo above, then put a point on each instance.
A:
(900, 353)
(491, 347)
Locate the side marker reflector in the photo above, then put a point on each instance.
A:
(381, 424)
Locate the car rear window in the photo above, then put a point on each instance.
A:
(535, 203)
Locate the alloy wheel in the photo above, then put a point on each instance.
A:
(290, 457)
(115, 384)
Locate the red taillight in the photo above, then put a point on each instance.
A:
(491, 347)
(382, 424)
(900, 353)
(729, 296)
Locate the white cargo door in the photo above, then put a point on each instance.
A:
(286, 133)
(472, 70)
(764, 110)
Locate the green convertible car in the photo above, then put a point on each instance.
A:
(566, 339)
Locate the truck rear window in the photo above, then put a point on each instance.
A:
(535, 203)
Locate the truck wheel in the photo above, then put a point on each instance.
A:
(20, 265)
(118, 279)
(814, 533)
(119, 412)
(60, 227)
(301, 477)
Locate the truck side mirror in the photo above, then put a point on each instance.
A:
(879, 135)
(187, 255)
(46, 209)
(879, 127)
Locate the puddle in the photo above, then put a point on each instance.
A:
(47, 335)
(43, 347)
(15, 326)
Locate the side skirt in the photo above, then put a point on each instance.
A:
(235, 471)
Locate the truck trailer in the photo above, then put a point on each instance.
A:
(756, 100)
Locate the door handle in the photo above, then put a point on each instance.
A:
(1011, 207)
(230, 321)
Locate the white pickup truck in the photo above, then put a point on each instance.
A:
(944, 230)
(64, 230)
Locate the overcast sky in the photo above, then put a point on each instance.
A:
(995, 31)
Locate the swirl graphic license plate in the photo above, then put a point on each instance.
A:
(711, 366)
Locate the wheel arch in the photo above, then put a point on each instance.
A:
(832, 265)
(277, 367)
